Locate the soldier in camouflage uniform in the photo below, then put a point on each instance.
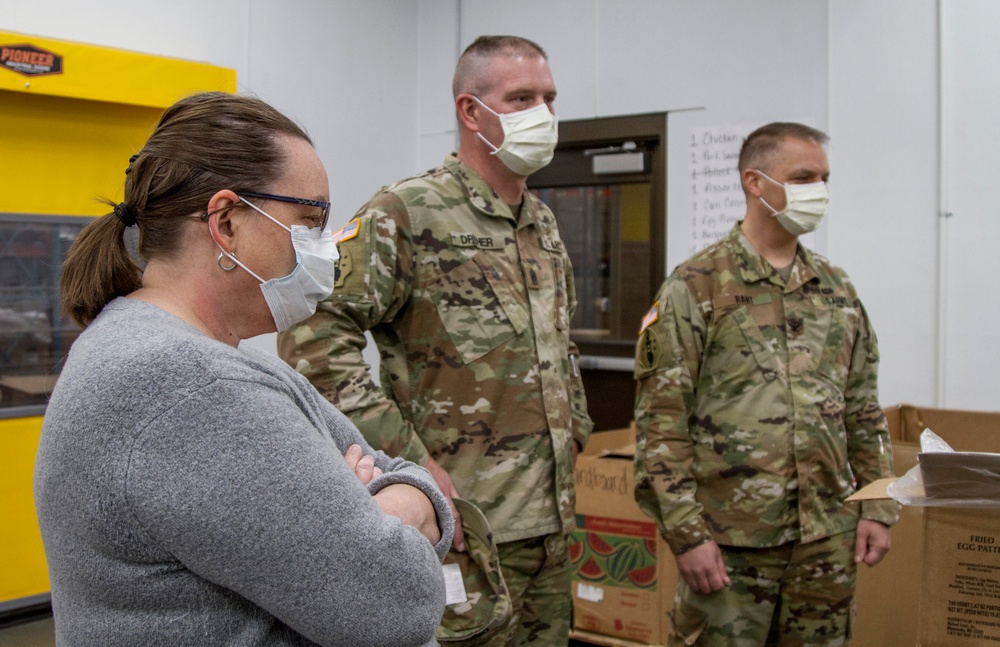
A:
(464, 283)
(757, 409)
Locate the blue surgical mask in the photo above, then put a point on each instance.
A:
(293, 298)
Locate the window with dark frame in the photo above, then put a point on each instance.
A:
(34, 334)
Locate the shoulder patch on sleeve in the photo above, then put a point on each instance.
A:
(348, 231)
(649, 352)
(650, 317)
(353, 246)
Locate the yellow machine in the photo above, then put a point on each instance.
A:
(71, 115)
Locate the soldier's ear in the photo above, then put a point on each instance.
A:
(468, 111)
(752, 182)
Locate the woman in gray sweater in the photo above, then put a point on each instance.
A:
(190, 492)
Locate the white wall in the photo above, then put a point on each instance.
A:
(971, 192)
(883, 154)
(914, 94)
(371, 82)
(439, 49)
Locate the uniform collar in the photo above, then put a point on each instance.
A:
(754, 268)
(482, 196)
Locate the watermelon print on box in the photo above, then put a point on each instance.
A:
(613, 560)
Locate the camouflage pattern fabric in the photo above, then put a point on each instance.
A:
(469, 304)
(757, 402)
(535, 608)
(487, 609)
(538, 573)
(794, 595)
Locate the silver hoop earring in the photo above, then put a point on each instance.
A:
(224, 268)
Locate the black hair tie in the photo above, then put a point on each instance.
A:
(125, 213)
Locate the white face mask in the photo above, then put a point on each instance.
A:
(805, 206)
(293, 298)
(529, 138)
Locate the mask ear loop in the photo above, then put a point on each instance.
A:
(496, 149)
(774, 212)
(232, 256)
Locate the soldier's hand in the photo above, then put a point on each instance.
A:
(362, 466)
(702, 568)
(448, 489)
(873, 542)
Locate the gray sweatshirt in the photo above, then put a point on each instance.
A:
(191, 493)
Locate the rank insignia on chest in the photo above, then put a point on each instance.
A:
(531, 274)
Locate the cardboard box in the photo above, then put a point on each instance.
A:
(966, 431)
(625, 575)
(960, 597)
(940, 583)
(888, 596)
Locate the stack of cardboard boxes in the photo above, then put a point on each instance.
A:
(938, 586)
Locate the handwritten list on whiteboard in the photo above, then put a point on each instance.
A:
(717, 200)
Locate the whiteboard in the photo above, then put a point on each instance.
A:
(716, 195)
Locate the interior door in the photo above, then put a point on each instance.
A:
(606, 186)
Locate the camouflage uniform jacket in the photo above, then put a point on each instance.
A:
(469, 306)
(757, 402)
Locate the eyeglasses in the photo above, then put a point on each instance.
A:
(322, 204)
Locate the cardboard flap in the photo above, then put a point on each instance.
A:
(618, 443)
(873, 491)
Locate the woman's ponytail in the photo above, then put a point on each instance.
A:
(98, 268)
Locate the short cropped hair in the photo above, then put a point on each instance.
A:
(760, 146)
(470, 73)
